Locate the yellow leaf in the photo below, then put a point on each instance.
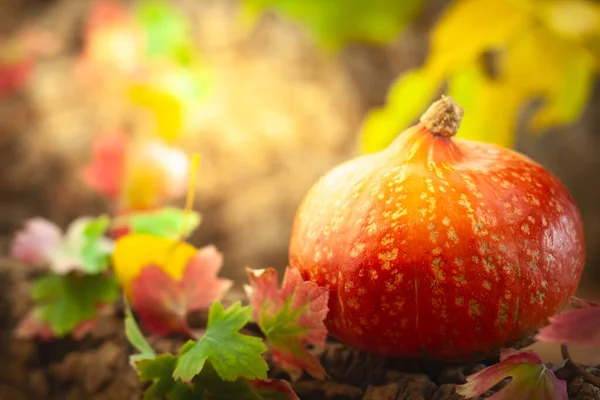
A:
(470, 27)
(166, 109)
(136, 251)
(561, 71)
(574, 19)
(408, 98)
(568, 98)
(491, 106)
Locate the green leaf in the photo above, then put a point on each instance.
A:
(159, 371)
(408, 98)
(96, 249)
(167, 31)
(232, 354)
(166, 222)
(136, 337)
(64, 301)
(337, 22)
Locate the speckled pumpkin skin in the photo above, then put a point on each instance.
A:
(439, 248)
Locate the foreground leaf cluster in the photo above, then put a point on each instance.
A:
(222, 364)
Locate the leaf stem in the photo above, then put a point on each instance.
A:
(564, 350)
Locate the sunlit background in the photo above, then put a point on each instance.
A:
(103, 102)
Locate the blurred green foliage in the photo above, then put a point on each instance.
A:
(336, 22)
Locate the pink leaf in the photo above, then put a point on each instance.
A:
(531, 379)
(290, 318)
(35, 244)
(581, 326)
(106, 172)
(163, 303)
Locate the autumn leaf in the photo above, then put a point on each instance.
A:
(106, 172)
(484, 98)
(136, 251)
(580, 326)
(83, 247)
(66, 301)
(163, 303)
(535, 51)
(531, 379)
(290, 318)
(231, 353)
(335, 23)
(166, 222)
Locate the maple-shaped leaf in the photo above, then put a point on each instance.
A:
(65, 301)
(166, 222)
(580, 326)
(163, 303)
(531, 379)
(232, 354)
(290, 318)
(82, 248)
(105, 173)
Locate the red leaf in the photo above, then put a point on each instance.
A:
(163, 303)
(36, 242)
(106, 172)
(275, 389)
(581, 326)
(290, 318)
(531, 379)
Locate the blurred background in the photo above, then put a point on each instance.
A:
(272, 94)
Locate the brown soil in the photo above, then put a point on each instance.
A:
(97, 367)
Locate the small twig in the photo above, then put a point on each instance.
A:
(564, 350)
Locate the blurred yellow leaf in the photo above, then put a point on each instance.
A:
(491, 106)
(540, 64)
(574, 19)
(136, 251)
(408, 98)
(470, 27)
(166, 109)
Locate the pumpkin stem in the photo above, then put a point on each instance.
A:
(443, 117)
